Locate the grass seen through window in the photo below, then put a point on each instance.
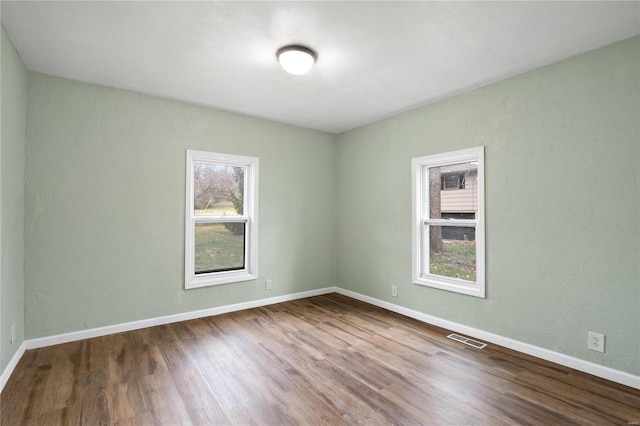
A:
(457, 260)
(223, 208)
(217, 248)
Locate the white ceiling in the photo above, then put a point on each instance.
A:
(375, 59)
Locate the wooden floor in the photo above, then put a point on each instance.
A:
(323, 360)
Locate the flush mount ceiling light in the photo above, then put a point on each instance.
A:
(296, 59)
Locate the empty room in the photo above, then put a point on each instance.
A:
(332, 212)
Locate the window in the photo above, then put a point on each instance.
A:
(452, 181)
(221, 232)
(448, 221)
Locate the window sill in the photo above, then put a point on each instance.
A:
(451, 284)
(219, 279)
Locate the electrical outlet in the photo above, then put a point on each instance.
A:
(394, 291)
(13, 333)
(268, 285)
(596, 341)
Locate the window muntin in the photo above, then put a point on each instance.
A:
(221, 219)
(448, 221)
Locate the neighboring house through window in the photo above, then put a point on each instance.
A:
(453, 179)
(221, 231)
(448, 221)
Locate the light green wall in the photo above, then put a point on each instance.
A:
(12, 170)
(105, 205)
(562, 204)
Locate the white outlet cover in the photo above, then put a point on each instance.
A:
(596, 341)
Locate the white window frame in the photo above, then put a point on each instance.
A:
(421, 222)
(249, 217)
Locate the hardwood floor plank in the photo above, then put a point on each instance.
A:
(325, 360)
(334, 386)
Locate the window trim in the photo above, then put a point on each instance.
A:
(250, 217)
(420, 206)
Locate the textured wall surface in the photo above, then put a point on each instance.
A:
(562, 204)
(12, 155)
(105, 197)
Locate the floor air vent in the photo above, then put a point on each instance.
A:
(467, 341)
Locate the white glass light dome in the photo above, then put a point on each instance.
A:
(296, 59)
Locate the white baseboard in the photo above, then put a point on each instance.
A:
(4, 377)
(565, 360)
(185, 316)
(558, 358)
(136, 325)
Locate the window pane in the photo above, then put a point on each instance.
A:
(219, 247)
(218, 189)
(452, 190)
(452, 252)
